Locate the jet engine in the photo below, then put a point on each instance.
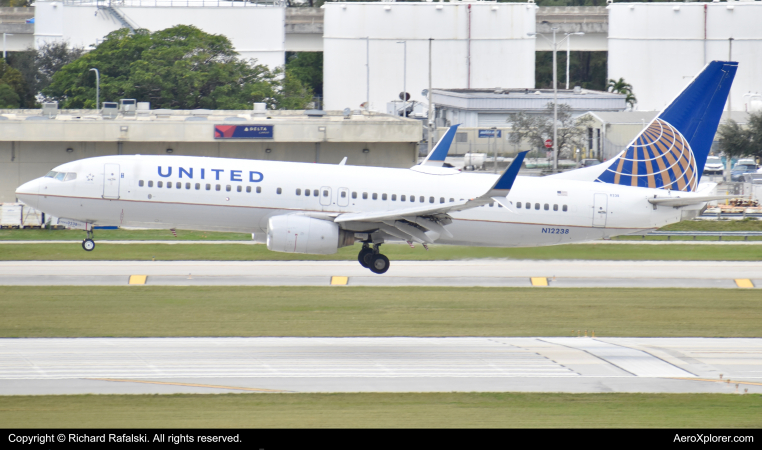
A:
(301, 234)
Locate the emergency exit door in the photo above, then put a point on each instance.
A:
(111, 177)
(599, 210)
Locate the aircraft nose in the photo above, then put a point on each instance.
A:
(28, 192)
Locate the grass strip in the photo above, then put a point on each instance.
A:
(159, 311)
(384, 410)
(237, 252)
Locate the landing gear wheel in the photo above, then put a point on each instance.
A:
(379, 264)
(88, 245)
(364, 253)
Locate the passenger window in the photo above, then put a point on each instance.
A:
(198, 186)
(217, 187)
(431, 199)
(70, 176)
(208, 187)
(492, 204)
(537, 206)
(412, 199)
(555, 207)
(325, 193)
(259, 189)
(278, 191)
(140, 183)
(150, 183)
(298, 192)
(422, 199)
(248, 189)
(383, 196)
(441, 199)
(239, 188)
(402, 198)
(354, 194)
(343, 194)
(394, 197)
(178, 185)
(228, 188)
(187, 185)
(375, 196)
(499, 205)
(547, 207)
(315, 192)
(169, 185)
(564, 208)
(518, 205)
(159, 184)
(364, 195)
(306, 192)
(452, 200)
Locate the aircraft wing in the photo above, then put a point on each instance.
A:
(500, 189)
(687, 201)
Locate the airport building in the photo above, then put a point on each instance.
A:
(32, 142)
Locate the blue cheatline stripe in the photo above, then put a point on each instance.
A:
(506, 181)
(443, 146)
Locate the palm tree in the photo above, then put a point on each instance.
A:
(622, 87)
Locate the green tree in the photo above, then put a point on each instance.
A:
(38, 66)
(177, 68)
(534, 129)
(15, 81)
(622, 87)
(9, 99)
(307, 67)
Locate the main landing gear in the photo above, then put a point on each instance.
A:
(370, 258)
(88, 244)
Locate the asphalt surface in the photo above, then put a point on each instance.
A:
(215, 365)
(510, 273)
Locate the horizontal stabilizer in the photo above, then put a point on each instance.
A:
(687, 201)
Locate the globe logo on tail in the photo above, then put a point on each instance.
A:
(659, 158)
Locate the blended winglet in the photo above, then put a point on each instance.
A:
(504, 184)
(438, 154)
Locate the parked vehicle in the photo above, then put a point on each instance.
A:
(741, 168)
(713, 166)
(589, 162)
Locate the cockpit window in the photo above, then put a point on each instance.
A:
(60, 176)
(70, 176)
(51, 174)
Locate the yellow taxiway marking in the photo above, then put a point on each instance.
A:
(721, 381)
(138, 279)
(237, 388)
(339, 281)
(539, 281)
(744, 283)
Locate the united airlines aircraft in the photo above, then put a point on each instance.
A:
(318, 208)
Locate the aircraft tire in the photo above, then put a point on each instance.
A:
(363, 256)
(88, 245)
(379, 264)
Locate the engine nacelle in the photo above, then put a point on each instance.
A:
(301, 234)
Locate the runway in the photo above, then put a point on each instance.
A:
(499, 364)
(493, 273)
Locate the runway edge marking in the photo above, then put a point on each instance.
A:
(168, 383)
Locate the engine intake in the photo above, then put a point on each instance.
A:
(301, 234)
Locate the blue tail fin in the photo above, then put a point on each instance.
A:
(439, 152)
(671, 152)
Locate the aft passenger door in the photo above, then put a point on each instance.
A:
(111, 180)
(600, 210)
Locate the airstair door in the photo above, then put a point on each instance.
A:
(343, 197)
(325, 196)
(599, 210)
(111, 180)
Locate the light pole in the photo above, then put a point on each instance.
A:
(4, 35)
(97, 87)
(554, 45)
(431, 105)
(568, 54)
(404, 77)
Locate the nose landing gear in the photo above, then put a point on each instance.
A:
(370, 258)
(88, 244)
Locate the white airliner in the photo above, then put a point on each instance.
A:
(318, 208)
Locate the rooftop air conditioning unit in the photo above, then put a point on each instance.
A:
(50, 109)
(260, 109)
(128, 106)
(144, 107)
(110, 110)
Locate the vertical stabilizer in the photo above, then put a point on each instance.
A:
(671, 152)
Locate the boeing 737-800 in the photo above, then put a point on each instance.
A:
(318, 208)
